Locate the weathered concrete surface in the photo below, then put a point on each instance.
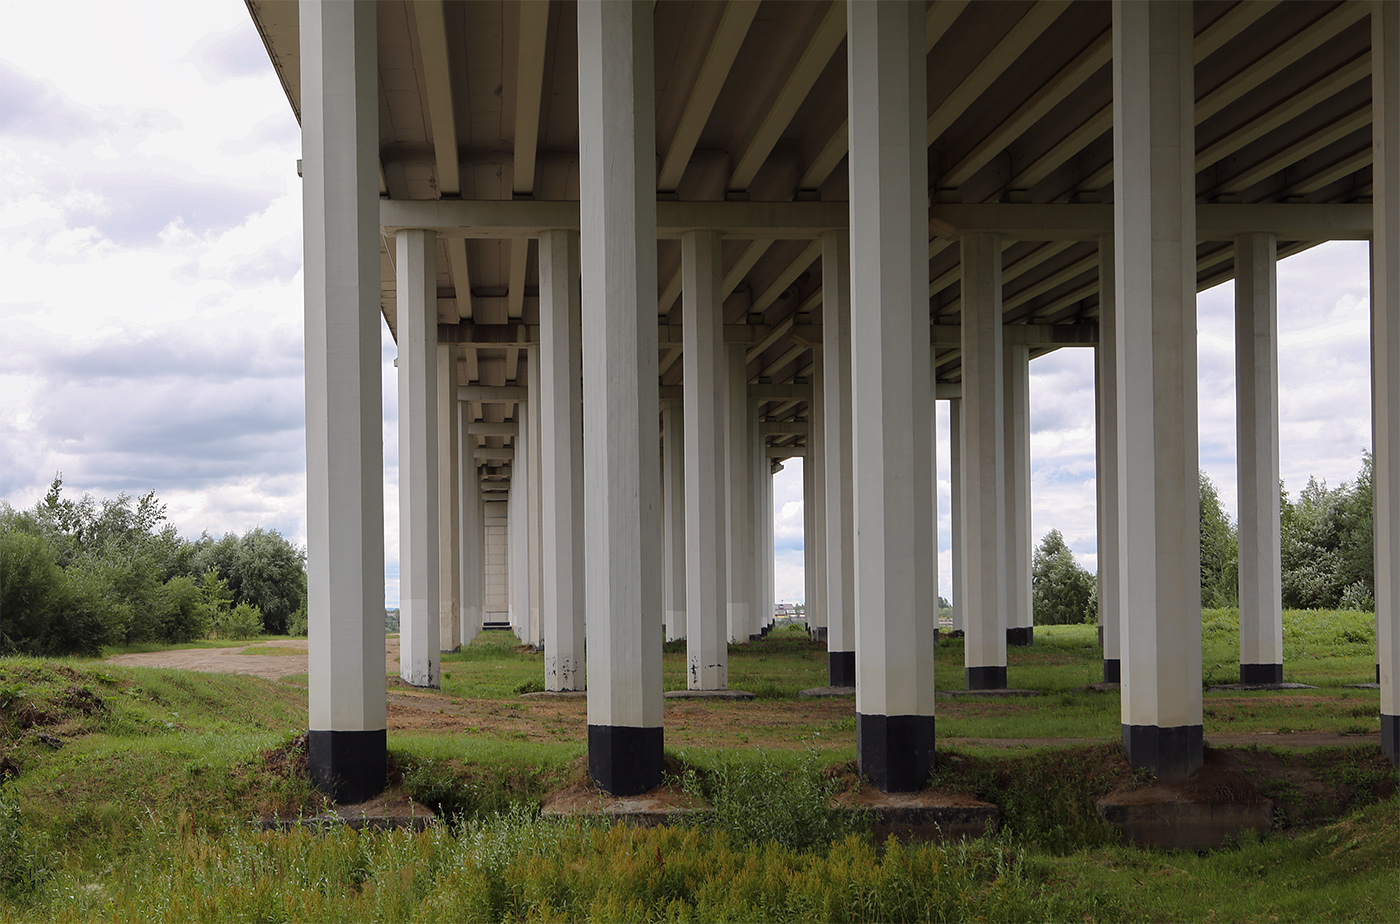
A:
(1163, 821)
(708, 694)
(924, 815)
(1235, 687)
(1001, 694)
(663, 805)
(1204, 811)
(383, 813)
(828, 692)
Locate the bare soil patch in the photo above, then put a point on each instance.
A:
(233, 661)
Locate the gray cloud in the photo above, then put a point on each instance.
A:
(234, 54)
(139, 206)
(33, 108)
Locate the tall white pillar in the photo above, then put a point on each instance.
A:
(768, 598)
(1016, 423)
(1256, 431)
(739, 431)
(419, 510)
(891, 395)
(622, 477)
(344, 440)
(1159, 523)
(955, 497)
(561, 461)
(983, 465)
(814, 503)
(449, 515)
(1385, 359)
(836, 401)
(471, 532)
(1106, 463)
(673, 504)
(809, 543)
(536, 514)
(706, 464)
(518, 531)
(762, 473)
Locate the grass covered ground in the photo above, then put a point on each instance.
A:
(128, 794)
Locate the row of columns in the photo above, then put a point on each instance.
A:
(871, 481)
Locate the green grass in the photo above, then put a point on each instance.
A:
(129, 792)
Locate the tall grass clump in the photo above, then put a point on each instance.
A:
(24, 865)
(521, 866)
(1045, 798)
(755, 802)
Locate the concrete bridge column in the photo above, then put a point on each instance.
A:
(518, 529)
(739, 427)
(1385, 360)
(706, 501)
(955, 496)
(622, 470)
(762, 469)
(1106, 463)
(420, 591)
(1256, 431)
(673, 505)
(891, 395)
(814, 501)
(470, 532)
(1159, 522)
(449, 516)
(561, 461)
(836, 459)
(1016, 421)
(344, 441)
(532, 421)
(983, 465)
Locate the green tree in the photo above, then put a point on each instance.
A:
(1327, 544)
(215, 600)
(1220, 551)
(1062, 591)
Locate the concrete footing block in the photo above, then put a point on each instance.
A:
(709, 694)
(828, 693)
(1238, 687)
(995, 693)
(925, 815)
(1166, 821)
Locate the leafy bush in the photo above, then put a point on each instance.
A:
(244, 621)
(1062, 591)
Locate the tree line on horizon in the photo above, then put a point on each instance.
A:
(78, 575)
(1327, 544)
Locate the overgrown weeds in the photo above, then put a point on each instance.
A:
(756, 802)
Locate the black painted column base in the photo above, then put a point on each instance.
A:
(895, 752)
(625, 760)
(841, 668)
(1390, 737)
(348, 766)
(986, 678)
(1173, 754)
(1112, 670)
(1021, 637)
(1261, 673)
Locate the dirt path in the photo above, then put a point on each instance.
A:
(234, 661)
(766, 723)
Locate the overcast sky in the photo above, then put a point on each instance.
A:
(150, 299)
